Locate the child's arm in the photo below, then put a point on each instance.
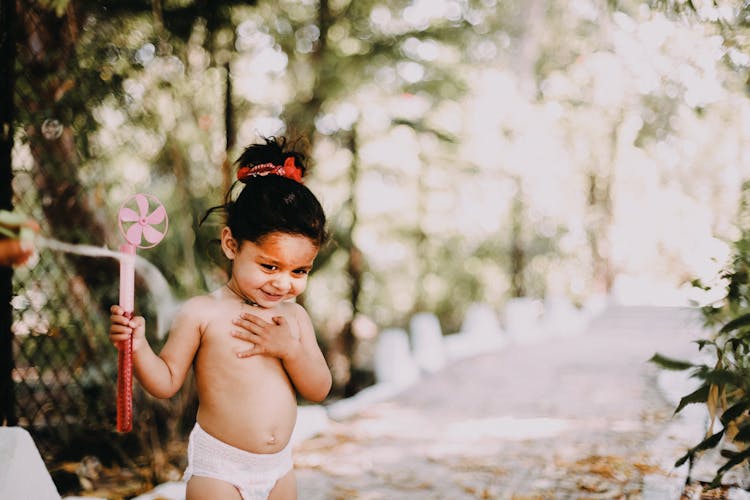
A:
(161, 375)
(301, 355)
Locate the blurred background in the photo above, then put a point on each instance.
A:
(466, 152)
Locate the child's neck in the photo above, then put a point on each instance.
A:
(241, 297)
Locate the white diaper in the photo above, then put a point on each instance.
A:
(253, 474)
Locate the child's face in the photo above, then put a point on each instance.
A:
(273, 270)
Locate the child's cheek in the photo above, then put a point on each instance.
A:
(298, 288)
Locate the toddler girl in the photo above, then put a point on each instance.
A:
(239, 447)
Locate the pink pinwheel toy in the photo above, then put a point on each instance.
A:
(143, 222)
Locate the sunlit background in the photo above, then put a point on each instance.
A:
(465, 151)
(471, 151)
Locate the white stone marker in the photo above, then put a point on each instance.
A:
(393, 362)
(427, 342)
(522, 318)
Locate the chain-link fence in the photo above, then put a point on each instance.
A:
(64, 368)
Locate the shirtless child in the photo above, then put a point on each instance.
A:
(240, 445)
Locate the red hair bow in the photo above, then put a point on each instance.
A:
(288, 170)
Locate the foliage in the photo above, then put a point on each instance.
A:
(725, 380)
(729, 19)
(467, 151)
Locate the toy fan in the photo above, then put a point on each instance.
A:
(143, 222)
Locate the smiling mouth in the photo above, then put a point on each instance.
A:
(273, 296)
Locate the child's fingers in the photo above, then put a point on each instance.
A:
(115, 339)
(117, 310)
(118, 316)
(120, 328)
(255, 325)
(119, 333)
(137, 322)
(246, 336)
(254, 350)
(120, 320)
(252, 318)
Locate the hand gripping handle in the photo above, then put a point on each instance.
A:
(125, 349)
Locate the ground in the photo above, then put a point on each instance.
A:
(561, 417)
(582, 416)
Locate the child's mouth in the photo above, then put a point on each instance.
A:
(272, 296)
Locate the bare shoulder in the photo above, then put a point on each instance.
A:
(296, 312)
(195, 311)
(197, 305)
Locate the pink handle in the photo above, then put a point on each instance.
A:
(125, 349)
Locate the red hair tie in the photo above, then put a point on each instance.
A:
(288, 170)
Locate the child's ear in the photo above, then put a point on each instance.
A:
(228, 244)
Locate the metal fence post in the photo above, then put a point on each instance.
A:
(7, 83)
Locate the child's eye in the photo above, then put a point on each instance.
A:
(301, 272)
(268, 267)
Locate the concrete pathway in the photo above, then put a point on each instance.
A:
(573, 417)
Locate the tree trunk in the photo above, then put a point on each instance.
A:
(300, 116)
(600, 212)
(47, 47)
(527, 53)
(600, 209)
(517, 246)
(345, 342)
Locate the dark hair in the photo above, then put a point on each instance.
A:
(272, 203)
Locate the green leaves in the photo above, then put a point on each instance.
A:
(736, 323)
(743, 436)
(733, 412)
(725, 383)
(703, 343)
(700, 395)
(670, 363)
(706, 444)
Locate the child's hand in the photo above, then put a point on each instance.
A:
(272, 339)
(121, 328)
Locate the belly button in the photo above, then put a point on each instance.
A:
(272, 440)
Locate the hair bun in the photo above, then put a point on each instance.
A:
(270, 158)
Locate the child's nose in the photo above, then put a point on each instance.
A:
(282, 282)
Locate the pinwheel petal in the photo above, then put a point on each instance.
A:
(157, 216)
(151, 234)
(134, 234)
(128, 215)
(142, 202)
